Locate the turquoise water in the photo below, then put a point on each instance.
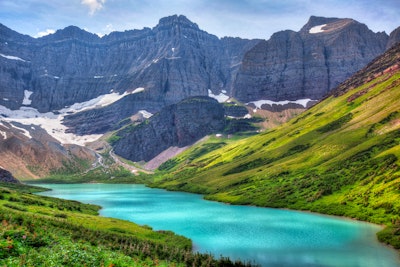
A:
(270, 237)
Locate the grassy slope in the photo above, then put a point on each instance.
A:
(44, 231)
(340, 157)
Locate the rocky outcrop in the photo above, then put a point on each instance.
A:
(7, 177)
(394, 38)
(30, 152)
(176, 125)
(309, 63)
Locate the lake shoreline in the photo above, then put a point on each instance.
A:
(200, 196)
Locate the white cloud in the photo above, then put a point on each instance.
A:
(44, 33)
(94, 5)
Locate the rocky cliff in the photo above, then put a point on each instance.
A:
(176, 125)
(7, 177)
(153, 68)
(309, 63)
(30, 152)
(393, 38)
(172, 61)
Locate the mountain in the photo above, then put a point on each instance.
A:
(341, 157)
(177, 125)
(309, 63)
(153, 68)
(170, 62)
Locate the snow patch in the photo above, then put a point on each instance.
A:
(13, 58)
(24, 131)
(6, 99)
(98, 77)
(49, 121)
(247, 116)
(220, 98)
(259, 103)
(317, 29)
(138, 90)
(27, 95)
(52, 123)
(4, 134)
(145, 113)
(100, 101)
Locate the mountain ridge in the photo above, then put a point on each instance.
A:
(84, 86)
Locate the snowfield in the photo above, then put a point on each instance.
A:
(317, 29)
(222, 97)
(27, 95)
(52, 122)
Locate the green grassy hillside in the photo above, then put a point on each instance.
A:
(340, 157)
(44, 231)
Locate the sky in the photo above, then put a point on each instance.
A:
(234, 18)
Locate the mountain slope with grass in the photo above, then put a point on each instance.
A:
(340, 157)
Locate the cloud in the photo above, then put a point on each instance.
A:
(44, 33)
(94, 5)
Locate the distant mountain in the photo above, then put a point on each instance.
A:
(173, 61)
(309, 63)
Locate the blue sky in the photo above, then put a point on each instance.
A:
(236, 18)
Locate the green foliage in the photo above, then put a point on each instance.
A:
(241, 125)
(168, 165)
(113, 139)
(336, 124)
(248, 165)
(391, 235)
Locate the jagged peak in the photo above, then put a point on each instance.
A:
(8, 33)
(322, 24)
(71, 32)
(394, 38)
(176, 20)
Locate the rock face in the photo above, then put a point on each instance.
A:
(176, 125)
(6, 176)
(394, 38)
(309, 63)
(173, 61)
(29, 152)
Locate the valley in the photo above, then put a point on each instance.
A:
(306, 120)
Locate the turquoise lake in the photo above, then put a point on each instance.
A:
(269, 237)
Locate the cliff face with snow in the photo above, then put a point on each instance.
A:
(177, 125)
(172, 61)
(72, 86)
(153, 68)
(309, 63)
